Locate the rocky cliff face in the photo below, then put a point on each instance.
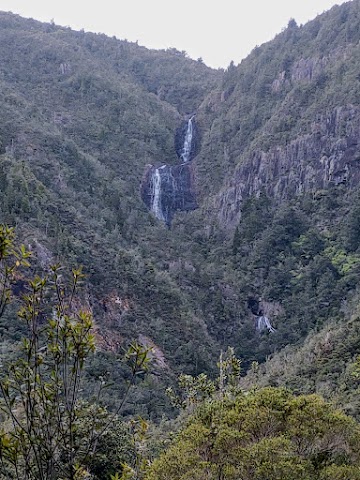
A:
(306, 70)
(328, 156)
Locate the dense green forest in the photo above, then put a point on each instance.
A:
(87, 123)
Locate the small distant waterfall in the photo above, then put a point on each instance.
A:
(185, 156)
(263, 323)
(156, 206)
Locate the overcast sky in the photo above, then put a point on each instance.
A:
(217, 31)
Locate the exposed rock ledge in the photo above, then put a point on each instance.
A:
(328, 156)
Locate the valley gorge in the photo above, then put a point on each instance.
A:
(208, 208)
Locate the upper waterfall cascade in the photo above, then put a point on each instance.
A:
(185, 156)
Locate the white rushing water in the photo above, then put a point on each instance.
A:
(162, 180)
(156, 194)
(262, 323)
(185, 156)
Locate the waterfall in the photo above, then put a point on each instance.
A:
(156, 207)
(185, 156)
(169, 188)
(262, 323)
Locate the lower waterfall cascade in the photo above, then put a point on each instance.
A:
(156, 194)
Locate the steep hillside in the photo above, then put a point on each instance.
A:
(285, 89)
(79, 124)
(281, 156)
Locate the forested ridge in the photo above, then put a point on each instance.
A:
(272, 231)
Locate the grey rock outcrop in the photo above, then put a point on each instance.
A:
(309, 69)
(327, 156)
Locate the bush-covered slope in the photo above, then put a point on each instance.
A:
(79, 124)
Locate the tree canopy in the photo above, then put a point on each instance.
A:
(265, 434)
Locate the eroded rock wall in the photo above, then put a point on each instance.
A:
(328, 156)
